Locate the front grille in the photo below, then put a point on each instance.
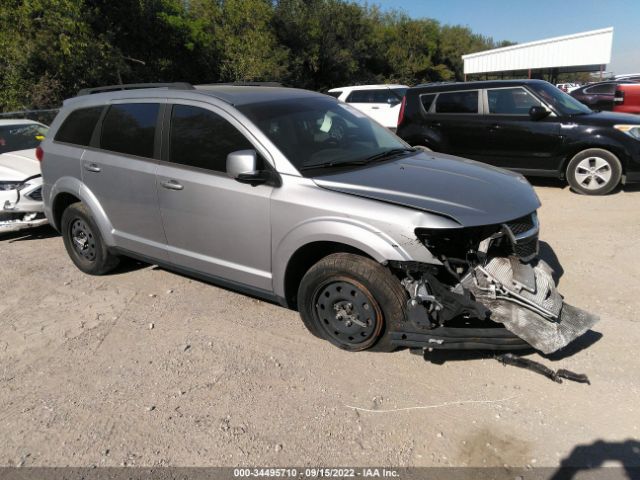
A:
(36, 194)
(521, 225)
(526, 249)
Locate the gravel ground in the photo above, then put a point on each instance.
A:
(147, 367)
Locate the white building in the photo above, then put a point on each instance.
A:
(580, 52)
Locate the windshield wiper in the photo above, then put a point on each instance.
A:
(364, 161)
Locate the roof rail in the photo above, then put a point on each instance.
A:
(245, 84)
(134, 86)
(444, 82)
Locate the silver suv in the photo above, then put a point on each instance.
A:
(298, 198)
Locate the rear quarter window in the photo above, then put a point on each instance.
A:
(79, 125)
(457, 102)
(427, 100)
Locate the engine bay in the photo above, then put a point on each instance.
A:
(489, 278)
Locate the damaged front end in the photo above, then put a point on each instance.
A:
(21, 204)
(491, 292)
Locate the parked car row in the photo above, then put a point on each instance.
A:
(302, 199)
(615, 95)
(525, 125)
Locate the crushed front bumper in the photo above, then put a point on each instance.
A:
(504, 304)
(22, 207)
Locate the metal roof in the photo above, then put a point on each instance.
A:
(585, 48)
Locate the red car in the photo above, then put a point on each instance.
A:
(627, 98)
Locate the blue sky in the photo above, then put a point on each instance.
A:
(523, 21)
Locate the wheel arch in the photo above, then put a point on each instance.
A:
(307, 256)
(313, 240)
(68, 190)
(616, 149)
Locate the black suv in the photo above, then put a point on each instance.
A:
(525, 125)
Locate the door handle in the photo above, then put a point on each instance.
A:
(495, 126)
(92, 167)
(435, 124)
(172, 185)
(375, 108)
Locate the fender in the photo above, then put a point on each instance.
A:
(375, 243)
(597, 140)
(75, 187)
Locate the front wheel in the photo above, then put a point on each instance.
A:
(594, 172)
(352, 301)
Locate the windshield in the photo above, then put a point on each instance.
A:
(312, 132)
(21, 137)
(562, 102)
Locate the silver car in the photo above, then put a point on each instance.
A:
(301, 199)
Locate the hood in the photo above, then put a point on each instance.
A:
(607, 119)
(469, 192)
(19, 165)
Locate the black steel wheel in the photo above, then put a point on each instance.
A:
(83, 242)
(82, 239)
(347, 312)
(352, 301)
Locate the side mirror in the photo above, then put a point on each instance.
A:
(538, 112)
(242, 165)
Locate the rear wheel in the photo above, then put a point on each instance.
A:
(84, 243)
(352, 301)
(594, 172)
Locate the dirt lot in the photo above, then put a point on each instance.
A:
(146, 367)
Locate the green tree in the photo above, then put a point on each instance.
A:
(249, 48)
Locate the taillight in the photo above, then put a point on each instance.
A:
(39, 153)
(401, 114)
(619, 97)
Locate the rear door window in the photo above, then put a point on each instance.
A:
(130, 129)
(334, 94)
(360, 96)
(457, 102)
(203, 139)
(78, 127)
(605, 89)
(510, 101)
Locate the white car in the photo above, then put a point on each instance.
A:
(20, 177)
(380, 102)
(568, 87)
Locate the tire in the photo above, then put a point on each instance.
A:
(84, 243)
(594, 172)
(364, 299)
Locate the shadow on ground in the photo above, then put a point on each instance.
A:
(36, 233)
(615, 454)
(548, 255)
